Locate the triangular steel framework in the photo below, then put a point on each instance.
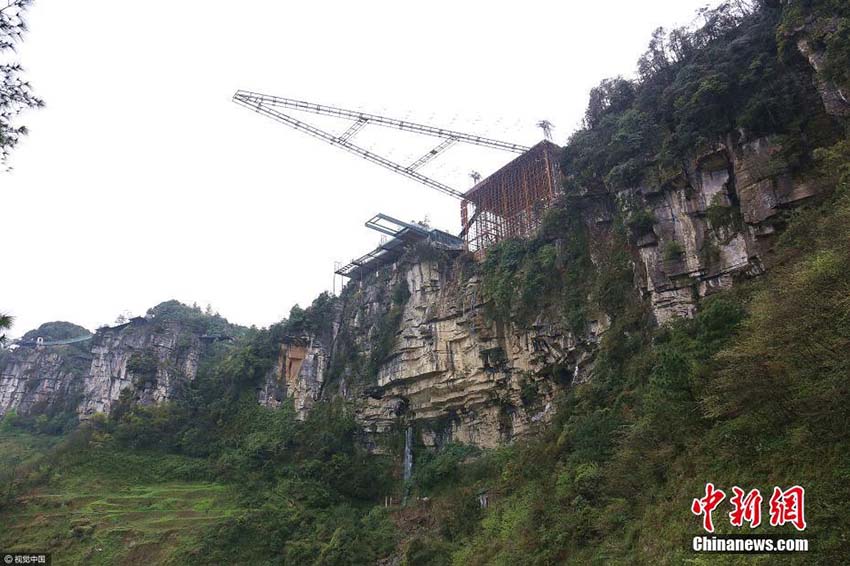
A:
(268, 105)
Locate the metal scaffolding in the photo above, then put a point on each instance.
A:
(507, 204)
(510, 202)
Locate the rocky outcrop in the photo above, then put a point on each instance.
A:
(35, 380)
(453, 374)
(712, 224)
(836, 101)
(717, 220)
(809, 39)
(148, 359)
(298, 374)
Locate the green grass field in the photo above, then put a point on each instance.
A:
(103, 511)
(17, 448)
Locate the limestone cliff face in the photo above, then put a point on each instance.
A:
(452, 374)
(713, 224)
(455, 375)
(298, 373)
(717, 220)
(150, 359)
(34, 380)
(808, 38)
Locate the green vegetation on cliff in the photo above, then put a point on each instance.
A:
(750, 392)
(696, 88)
(210, 478)
(54, 331)
(193, 319)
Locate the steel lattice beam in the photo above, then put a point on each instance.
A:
(446, 144)
(353, 129)
(268, 100)
(260, 106)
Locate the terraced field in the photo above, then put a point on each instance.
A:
(87, 517)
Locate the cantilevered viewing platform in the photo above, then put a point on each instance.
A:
(401, 236)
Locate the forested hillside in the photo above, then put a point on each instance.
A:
(749, 390)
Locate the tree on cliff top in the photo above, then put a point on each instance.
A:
(5, 324)
(56, 330)
(15, 92)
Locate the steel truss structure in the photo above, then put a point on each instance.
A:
(507, 204)
(269, 106)
(401, 234)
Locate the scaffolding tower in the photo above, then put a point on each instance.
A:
(507, 204)
(510, 202)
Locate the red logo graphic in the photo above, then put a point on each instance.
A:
(707, 504)
(746, 508)
(785, 507)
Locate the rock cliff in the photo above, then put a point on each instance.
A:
(451, 372)
(148, 359)
(414, 345)
(35, 380)
(454, 374)
(810, 37)
(298, 373)
(713, 224)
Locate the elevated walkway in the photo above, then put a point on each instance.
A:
(402, 235)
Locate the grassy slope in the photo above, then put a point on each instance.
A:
(18, 448)
(113, 508)
(753, 393)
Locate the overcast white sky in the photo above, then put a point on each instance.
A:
(141, 181)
